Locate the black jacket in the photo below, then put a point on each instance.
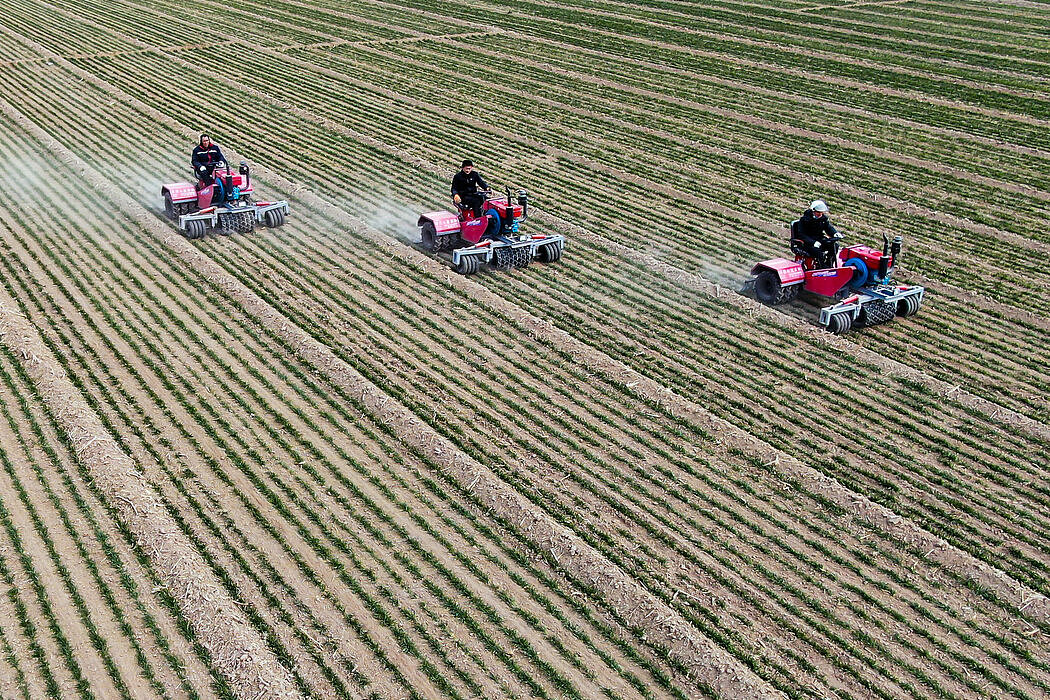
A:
(208, 157)
(811, 228)
(463, 184)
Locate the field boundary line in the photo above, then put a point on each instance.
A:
(237, 651)
(708, 664)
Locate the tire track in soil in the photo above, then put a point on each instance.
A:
(963, 564)
(708, 663)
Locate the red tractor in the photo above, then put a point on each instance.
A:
(856, 276)
(225, 205)
(491, 238)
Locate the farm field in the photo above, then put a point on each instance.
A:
(313, 461)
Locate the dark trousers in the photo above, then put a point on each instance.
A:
(824, 255)
(474, 201)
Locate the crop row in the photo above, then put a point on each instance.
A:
(239, 267)
(236, 444)
(1009, 354)
(301, 302)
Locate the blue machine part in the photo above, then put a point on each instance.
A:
(860, 277)
(496, 223)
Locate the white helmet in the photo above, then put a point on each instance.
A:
(818, 205)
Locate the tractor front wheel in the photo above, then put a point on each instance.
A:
(840, 323)
(468, 265)
(908, 306)
(770, 291)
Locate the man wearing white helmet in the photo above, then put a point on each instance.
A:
(817, 233)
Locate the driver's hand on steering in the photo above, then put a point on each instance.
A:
(457, 199)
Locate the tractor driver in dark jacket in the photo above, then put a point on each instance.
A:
(465, 185)
(816, 233)
(206, 157)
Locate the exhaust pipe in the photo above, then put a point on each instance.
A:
(884, 261)
(523, 200)
(245, 170)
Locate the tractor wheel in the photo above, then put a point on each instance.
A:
(468, 265)
(195, 229)
(549, 253)
(840, 323)
(908, 306)
(274, 218)
(769, 291)
(185, 208)
(430, 239)
(169, 206)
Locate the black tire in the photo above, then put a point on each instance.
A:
(195, 229)
(468, 265)
(169, 206)
(769, 291)
(430, 239)
(908, 306)
(274, 218)
(549, 253)
(840, 323)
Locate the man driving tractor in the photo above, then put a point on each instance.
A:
(206, 157)
(465, 186)
(816, 233)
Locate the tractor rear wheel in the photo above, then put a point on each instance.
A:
(430, 239)
(908, 306)
(769, 291)
(840, 323)
(468, 265)
(169, 206)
